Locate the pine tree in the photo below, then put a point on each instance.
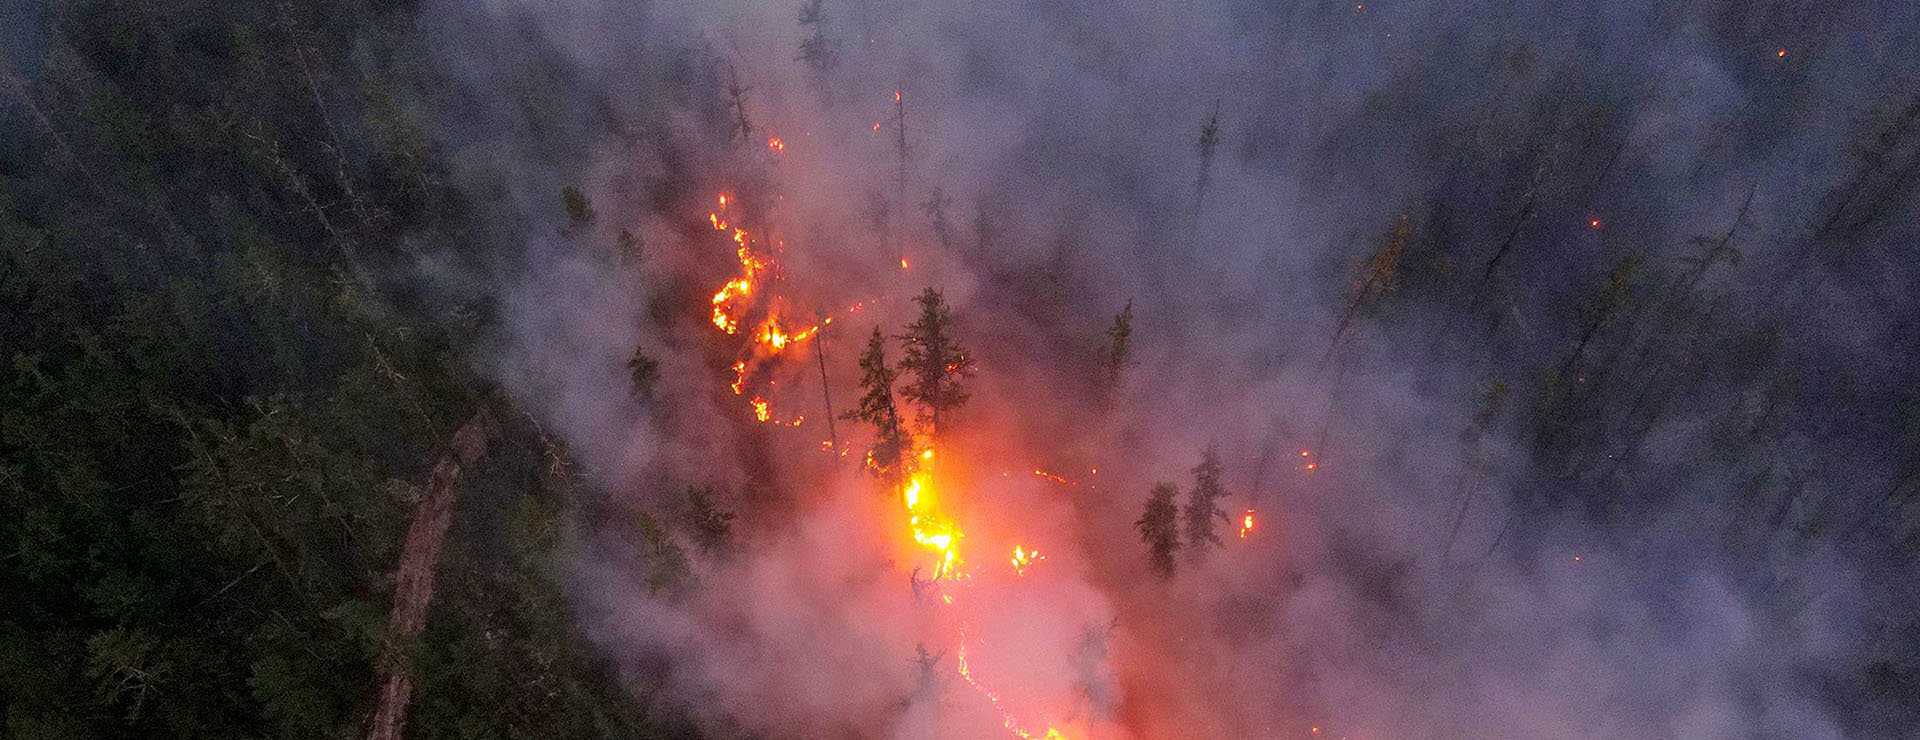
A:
(877, 407)
(1159, 529)
(934, 363)
(1203, 503)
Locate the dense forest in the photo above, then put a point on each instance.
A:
(222, 408)
(361, 378)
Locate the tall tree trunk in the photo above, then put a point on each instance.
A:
(413, 578)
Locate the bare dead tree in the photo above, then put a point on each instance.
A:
(414, 577)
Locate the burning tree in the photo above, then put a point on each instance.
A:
(1203, 506)
(1159, 527)
(934, 363)
(876, 407)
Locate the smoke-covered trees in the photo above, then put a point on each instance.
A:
(1116, 355)
(578, 207)
(642, 373)
(1159, 527)
(1209, 139)
(935, 206)
(934, 363)
(710, 526)
(1203, 504)
(877, 407)
(819, 51)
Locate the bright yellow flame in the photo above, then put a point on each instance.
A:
(761, 412)
(929, 528)
(1246, 523)
(1024, 558)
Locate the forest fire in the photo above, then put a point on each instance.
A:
(927, 526)
(730, 303)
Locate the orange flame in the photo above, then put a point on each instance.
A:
(1007, 719)
(776, 145)
(1246, 523)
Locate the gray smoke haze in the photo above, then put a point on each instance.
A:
(1568, 481)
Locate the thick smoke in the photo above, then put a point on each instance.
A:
(1447, 568)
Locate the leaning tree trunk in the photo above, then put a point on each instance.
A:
(413, 578)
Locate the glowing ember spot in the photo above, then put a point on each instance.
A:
(1052, 477)
(826, 445)
(904, 265)
(739, 378)
(896, 96)
(1780, 53)
(1593, 222)
(1246, 523)
(776, 145)
(1023, 559)
(876, 127)
(761, 411)
(1312, 467)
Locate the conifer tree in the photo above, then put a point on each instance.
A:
(1159, 528)
(934, 364)
(1203, 503)
(877, 407)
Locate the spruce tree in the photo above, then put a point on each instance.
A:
(877, 407)
(1159, 529)
(934, 364)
